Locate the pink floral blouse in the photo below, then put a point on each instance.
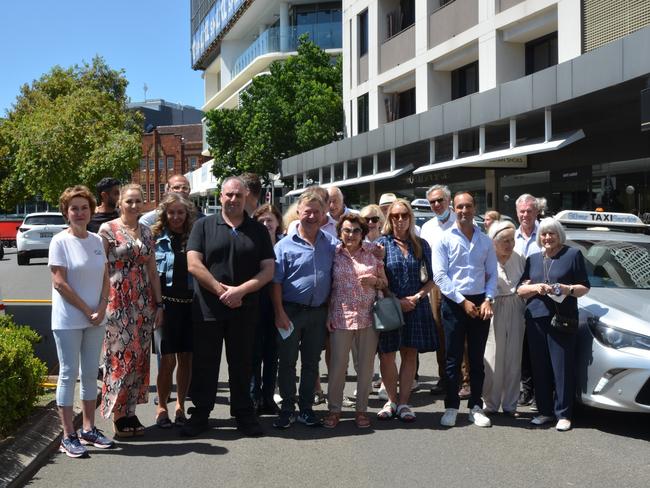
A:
(351, 303)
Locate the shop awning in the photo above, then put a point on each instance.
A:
(357, 181)
(484, 160)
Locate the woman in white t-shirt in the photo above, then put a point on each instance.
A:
(80, 289)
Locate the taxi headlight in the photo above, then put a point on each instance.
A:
(617, 338)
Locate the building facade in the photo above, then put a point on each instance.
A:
(166, 151)
(498, 97)
(234, 41)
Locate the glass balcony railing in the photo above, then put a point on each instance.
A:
(326, 35)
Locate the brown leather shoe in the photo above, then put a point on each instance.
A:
(362, 420)
(331, 420)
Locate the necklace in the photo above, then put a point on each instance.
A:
(547, 269)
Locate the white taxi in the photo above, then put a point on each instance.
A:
(35, 233)
(613, 357)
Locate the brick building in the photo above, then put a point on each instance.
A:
(167, 150)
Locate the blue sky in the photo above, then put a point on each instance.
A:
(149, 39)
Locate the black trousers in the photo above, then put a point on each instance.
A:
(238, 332)
(458, 327)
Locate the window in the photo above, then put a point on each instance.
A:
(363, 114)
(170, 162)
(363, 33)
(541, 53)
(464, 80)
(144, 192)
(152, 194)
(151, 166)
(193, 162)
(161, 164)
(406, 103)
(143, 164)
(161, 190)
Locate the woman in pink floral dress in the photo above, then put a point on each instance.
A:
(134, 310)
(356, 276)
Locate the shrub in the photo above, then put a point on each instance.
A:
(21, 373)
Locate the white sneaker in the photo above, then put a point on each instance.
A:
(478, 418)
(563, 425)
(382, 394)
(449, 418)
(542, 419)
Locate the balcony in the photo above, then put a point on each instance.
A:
(325, 35)
(502, 5)
(451, 19)
(397, 49)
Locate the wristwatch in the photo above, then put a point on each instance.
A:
(571, 290)
(490, 300)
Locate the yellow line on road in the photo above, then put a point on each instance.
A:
(10, 300)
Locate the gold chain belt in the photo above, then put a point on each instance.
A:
(177, 300)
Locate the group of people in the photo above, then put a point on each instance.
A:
(274, 288)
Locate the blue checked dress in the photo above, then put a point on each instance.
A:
(403, 274)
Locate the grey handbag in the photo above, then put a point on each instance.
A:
(387, 313)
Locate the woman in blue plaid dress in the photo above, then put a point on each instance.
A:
(405, 256)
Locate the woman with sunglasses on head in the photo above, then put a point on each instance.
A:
(134, 310)
(357, 275)
(176, 215)
(408, 267)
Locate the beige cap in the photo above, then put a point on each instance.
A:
(387, 198)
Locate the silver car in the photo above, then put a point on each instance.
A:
(613, 369)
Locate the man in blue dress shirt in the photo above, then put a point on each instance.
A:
(465, 269)
(300, 290)
(526, 245)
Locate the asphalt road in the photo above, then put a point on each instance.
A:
(605, 449)
(24, 282)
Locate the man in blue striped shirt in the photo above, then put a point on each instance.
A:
(465, 269)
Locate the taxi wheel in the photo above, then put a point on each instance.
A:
(22, 260)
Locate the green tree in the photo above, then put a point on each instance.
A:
(296, 107)
(69, 127)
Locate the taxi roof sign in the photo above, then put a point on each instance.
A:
(583, 217)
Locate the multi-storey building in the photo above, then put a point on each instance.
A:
(166, 151)
(498, 97)
(235, 40)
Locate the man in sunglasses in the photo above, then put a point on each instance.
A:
(175, 184)
(439, 198)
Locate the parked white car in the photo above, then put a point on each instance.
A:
(35, 233)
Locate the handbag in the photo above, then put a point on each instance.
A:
(387, 313)
(562, 323)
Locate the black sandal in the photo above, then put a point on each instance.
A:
(180, 419)
(163, 421)
(122, 427)
(136, 425)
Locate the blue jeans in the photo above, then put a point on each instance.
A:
(307, 338)
(78, 351)
(458, 325)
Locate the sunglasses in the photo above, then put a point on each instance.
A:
(374, 220)
(436, 200)
(355, 231)
(400, 216)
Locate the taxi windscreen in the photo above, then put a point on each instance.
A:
(616, 264)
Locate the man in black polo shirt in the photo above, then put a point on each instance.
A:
(231, 257)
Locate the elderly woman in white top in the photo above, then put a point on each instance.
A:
(504, 344)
